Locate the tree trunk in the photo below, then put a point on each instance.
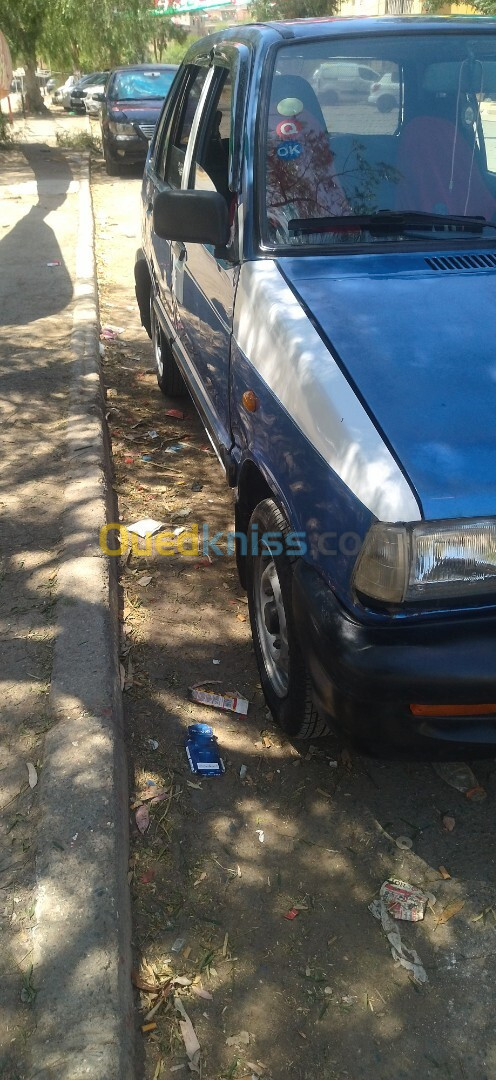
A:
(33, 96)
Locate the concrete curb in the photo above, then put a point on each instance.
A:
(82, 937)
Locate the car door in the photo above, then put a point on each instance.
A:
(205, 279)
(164, 171)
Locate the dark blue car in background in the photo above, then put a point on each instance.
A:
(321, 276)
(131, 106)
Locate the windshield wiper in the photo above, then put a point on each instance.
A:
(389, 221)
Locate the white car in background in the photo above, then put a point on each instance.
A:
(343, 80)
(385, 93)
(61, 96)
(92, 100)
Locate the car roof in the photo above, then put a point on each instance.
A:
(341, 26)
(145, 67)
(91, 75)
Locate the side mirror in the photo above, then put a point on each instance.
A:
(98, 97)
(197, 217)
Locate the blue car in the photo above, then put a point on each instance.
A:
(131, 105)
(320, 276)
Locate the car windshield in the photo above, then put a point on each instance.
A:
(399, 129)
(136, 85)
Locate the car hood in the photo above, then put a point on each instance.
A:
(138, 112)
(416, 341)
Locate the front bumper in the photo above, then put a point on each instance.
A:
(366, 676)
(133, 149)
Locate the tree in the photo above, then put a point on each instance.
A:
(270, 10)
(88, 35)
(22, 22)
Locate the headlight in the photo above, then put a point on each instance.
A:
(121, 129)
(427, 560)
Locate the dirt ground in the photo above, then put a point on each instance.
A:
(311, 827)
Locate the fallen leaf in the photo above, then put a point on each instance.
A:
(243, 1038)
(32, 774)
(201, 993)
(200, 879)
(145, 580)
(444, 873)
(452, 909)
(147, 877)
(142, 984)
(191, 1044)
(448, 823)
(142, 818)
(148, 796)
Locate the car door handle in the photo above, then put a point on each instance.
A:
(179, 250)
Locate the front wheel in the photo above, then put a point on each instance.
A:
(169, 377)
(112, 167)
(283, 673)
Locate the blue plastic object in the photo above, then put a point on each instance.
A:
(202, 751)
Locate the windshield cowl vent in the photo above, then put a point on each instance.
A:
(462, 262)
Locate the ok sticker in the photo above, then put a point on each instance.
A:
(290, 150)
(287, 128)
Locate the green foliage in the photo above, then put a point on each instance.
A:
(269, 10)
(5, 130)
(174, 50)
(80, 140)
(91, 35)
(22, 23)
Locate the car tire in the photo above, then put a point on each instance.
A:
(169, 377)
(283, 672)
(386, 103)
(111, 166)
(330, 97)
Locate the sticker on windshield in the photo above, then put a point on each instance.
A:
(289, 150)
(287, 128)
(290, 106)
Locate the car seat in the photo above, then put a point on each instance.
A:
(301, 179)
(216, 156)
(440, 163)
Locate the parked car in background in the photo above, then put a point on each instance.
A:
(341, 80)
(62, 94)
(93, 99)
(324, 288)
(79, 91)
(131, 105)
(385, 94)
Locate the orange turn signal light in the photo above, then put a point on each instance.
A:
(250, 400)
(452, 710)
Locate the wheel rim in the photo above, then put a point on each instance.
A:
(271, 623)
(157, 347)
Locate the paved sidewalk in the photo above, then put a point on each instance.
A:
(63, 924)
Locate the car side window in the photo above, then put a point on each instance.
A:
(210, 165)
(173, 151)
